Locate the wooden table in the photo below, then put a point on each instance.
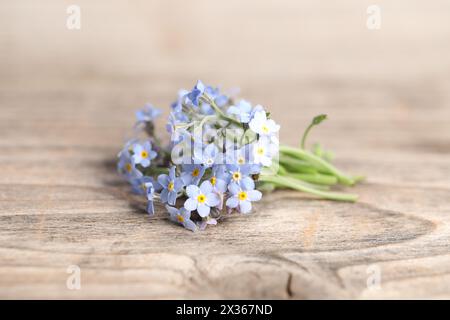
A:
(67, 100)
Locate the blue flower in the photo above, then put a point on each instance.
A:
(143, 154)
(196, 93)
(242, 111)
(170, 186)
(150, 195)
(261, 125)
(239, 175)
(242, 197)
(138, 184)
(219, 178)
(214, 93)
(209, 156)
(147, 114)
(127, 167)
(177, 106)
(201, 199)
(244, 158)
(264, 150)
(182, 216)
(192, 173)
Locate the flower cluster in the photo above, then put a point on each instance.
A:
(217, 149)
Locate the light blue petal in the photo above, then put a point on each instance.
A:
(163, 180)
(245, 206)
(232, 202)
(234, 188)
(164, 195)
(172, 210)
(247, 183)
(254, 195)
(172, 198)
(206, 187)
(203, 210)
(190, 204)
(212, 199)
(192, 191)
(190, 225)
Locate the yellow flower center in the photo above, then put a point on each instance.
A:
(143, 187)
(170, 186)
(236, 176)
(180, 218)
(195, 172)
(265, 129)
(241, 160)
(201, 198)
(242, 195)
(260, 151)
(128, 167)
(144, 154)
(213, 181)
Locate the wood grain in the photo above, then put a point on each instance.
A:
(66, 105)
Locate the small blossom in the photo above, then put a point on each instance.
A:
(242, 197)
(127, 167)
(143, 154)
(170, 186)
(264, 150)
(147, 114)
(201, 199)
(196, 93)
(192, 173)
(182, 216)
(209, 156)
(139, 184)
(263, 126)
(241, 111)
(239, 175)
(177, 106)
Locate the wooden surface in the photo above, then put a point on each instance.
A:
(67, 100)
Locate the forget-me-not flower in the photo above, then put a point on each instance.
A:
(170, 186)
(261, 125)
(242, 197)
(264, 150)
(143, 154)
(127, 167)
(239, 175)
(209, 156)
(242, 111)
(147, 114)
(201, 199)
(138, 184)
(192, 173)
(196, 93)
(182, 216)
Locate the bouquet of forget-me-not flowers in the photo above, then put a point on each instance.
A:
(222, 153)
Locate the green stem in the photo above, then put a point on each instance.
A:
(308, 156)
(305, 135)
(297, 165)
(296, 185)
(317, 178)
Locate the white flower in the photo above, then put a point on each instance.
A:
(263, 126)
